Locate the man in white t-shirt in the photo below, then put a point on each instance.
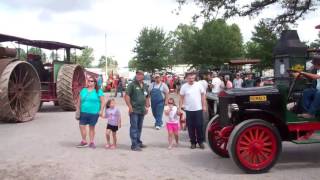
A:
(217, 84)
(192, 98)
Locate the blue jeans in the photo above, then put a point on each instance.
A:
(195, 126)
(157, 111)
(136, 122)
(311, 100)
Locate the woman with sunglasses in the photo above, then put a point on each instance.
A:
(91, 105)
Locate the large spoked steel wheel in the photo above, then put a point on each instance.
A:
(20, 91)
(216, 142)
(254, 146)
(70, 81)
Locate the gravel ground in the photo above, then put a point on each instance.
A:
(45, 149)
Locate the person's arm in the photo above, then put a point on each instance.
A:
(204, 102)
(147, 104)
(78, 103)
(128, 102)
(119, 119)
(181, 102)
(310, 75)
(166, 94)
(103, 103)
(128, 99)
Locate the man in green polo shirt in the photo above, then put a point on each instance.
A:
(137, 100)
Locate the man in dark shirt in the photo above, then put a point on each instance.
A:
(137, 100)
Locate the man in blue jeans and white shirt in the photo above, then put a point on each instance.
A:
(137, 100)
(192, 98)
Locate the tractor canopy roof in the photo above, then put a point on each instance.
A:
(51, 45)
(6, 38)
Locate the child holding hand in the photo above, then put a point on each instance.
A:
(172, 122)
(113, 117)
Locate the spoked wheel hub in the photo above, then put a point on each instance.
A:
(216, 140)
(255, 146)
(20, 97)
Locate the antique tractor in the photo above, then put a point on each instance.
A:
(24, 85)
(251, 123)
(19, 86)
(61, 81)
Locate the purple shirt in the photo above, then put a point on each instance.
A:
(113, 116)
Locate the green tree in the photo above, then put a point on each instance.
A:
(289, 13)
(22, 54)
(102, 62)
(211, 46)
(316, 43)
(184, 40)
(55, 57)
(132, 64)
(261, 45)
(86, 57)
(152, 49)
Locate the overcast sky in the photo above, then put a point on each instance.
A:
(85, 22)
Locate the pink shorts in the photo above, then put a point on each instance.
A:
(173, 127)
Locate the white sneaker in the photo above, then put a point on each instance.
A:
(157, 127)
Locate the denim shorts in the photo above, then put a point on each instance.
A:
(88, 119)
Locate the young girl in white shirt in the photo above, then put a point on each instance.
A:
(172, 122)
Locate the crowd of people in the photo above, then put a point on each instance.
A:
(140, 96)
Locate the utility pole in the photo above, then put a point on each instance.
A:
(105, 54)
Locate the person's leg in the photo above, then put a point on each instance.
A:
(93, 121)
(176, 133)
(134, 131)
(140, 124)
(115, 92)
(91, 133)
(315, 105)
(191, 130)
(154, 111)
(108, 131)
(160, 113)
(114, 136)
(121, 91)
(170, 139)
(199, 126)
(307, 98)
(83, 132)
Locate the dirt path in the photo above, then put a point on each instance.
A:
(45, 149)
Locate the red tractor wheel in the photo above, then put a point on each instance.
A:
(254, 146)
(70, 81)
(216, 143)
